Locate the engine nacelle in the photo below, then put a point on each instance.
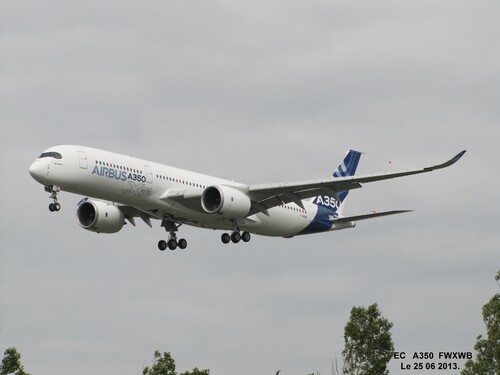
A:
(100, 217)
(227, 201)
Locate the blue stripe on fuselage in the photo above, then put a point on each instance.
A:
(321, 222)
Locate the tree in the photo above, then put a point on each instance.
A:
(196, 371)
(164, 364)
(11, 363)
(368, 342)
(487, 349)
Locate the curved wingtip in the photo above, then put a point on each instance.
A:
(452, 161)
(457, 157)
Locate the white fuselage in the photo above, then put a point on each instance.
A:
(152, 187)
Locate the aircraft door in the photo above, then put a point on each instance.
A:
(83, 159)
(149, 173)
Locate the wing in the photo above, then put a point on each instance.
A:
(270, 195)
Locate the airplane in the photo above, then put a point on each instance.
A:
(120, 188)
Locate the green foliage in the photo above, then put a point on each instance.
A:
(368, 342)
(164, 364)
(487, 349)
(11, 363)
(196, 371)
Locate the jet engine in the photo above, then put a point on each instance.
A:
(99, 216)
(227, 201)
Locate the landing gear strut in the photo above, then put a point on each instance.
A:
(172, 242)
(53, 190)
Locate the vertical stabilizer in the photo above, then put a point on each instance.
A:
(331, 203)
(348, 165)
(334, 201)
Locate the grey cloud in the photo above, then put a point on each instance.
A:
(259, 92)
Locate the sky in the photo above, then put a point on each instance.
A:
(257, 92)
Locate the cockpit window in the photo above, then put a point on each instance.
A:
(51, 154)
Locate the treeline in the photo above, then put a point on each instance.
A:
(368, 347)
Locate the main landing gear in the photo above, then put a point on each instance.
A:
(53, 190)
(235, 237)
(172, 243)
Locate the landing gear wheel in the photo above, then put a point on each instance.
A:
(226, 238)
(182, 243)
(54, 207)
(162, 245)
(172, 244)
(235, 237)
(245, 236)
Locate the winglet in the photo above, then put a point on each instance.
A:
(452, 161)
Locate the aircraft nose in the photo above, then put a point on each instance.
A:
(38, 170)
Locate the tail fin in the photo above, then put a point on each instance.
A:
(348, 165)
(346, 168)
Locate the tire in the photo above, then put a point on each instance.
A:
(182, 243)
(226, 238)
(235, 237)
(172, 244)
(245, 236)
(162, 245)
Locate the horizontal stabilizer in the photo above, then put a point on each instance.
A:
(369, 216)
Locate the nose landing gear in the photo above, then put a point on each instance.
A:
(53, 190)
